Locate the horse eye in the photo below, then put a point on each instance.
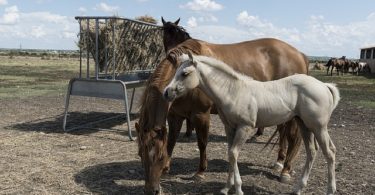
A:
(185, 74)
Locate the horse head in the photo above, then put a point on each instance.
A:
(152, 150)
(173, 34)
(151, 127)
(185, 79)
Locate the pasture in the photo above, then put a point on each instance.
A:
(37, 157)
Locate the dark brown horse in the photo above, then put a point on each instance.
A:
(263, 59)
(341, 65)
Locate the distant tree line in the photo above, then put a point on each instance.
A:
(44, 54)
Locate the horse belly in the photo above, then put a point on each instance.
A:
(275, 117)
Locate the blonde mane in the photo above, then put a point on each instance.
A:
(217, 64)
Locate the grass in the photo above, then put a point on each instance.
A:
(25, 77)
(357, 90)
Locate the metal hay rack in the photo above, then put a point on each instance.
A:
(125, 53)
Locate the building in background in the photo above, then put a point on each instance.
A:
(368, 56)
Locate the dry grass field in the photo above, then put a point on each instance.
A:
(37, 157)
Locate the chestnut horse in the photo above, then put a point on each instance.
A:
(174, 35)
(341, 65)
(263, 59)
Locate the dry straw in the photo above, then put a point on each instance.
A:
(136, 46)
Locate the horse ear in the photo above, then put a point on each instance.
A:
(162, 20)
(191, 59)
(177, 21)
(190, 56)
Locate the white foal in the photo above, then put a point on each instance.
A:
(244, 104)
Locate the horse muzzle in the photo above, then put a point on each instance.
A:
(169, 94)
(154, 191)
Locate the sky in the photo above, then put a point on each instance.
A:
(317, 28)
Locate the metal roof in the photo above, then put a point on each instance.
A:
(368, 47)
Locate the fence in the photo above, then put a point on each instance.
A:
(125, 53)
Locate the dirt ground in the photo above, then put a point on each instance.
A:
(37, 157)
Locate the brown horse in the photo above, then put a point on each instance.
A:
(263, 59)
(341, 65)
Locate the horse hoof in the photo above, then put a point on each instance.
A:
(165, 170)
(278, 167)
(285, 178)
(166, 176)
(224, 191)
(253, 139)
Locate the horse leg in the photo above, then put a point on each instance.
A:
(332, 70)
(175, 124)
(259, 132)
(311, 148)
(189, 128)
(240, 137)
(230, 180)
(202, 125)
(278, 166)
(294, 143)
(329, 151)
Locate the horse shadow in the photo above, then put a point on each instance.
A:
(193, 138)
(188, 167)
(124, 177)
(103, 178)
(86, 123)
(220, 138)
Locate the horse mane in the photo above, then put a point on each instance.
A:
(220, 65)
(160, 78)
(183, 31)
(190, 45)
(177, 28)
(150, 93)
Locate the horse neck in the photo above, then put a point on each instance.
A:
(154, 107)
(170, 44)
(216, 81)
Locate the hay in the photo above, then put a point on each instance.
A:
(136, 46)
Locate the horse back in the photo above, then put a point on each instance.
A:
(262, 59)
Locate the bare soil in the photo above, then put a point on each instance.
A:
(37, 157)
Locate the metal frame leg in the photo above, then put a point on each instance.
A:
(127, 110)
(67, 98)
(131, 101)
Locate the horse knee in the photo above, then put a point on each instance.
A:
(332, 147)
(232, 154)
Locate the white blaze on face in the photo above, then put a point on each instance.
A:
(151, 153)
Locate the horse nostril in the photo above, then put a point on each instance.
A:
(156, 192)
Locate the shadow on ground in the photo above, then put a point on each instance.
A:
(77, 119)
(127, 177)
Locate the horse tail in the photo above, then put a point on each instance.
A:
(270, 139)
(335, 93)
(306, 62)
